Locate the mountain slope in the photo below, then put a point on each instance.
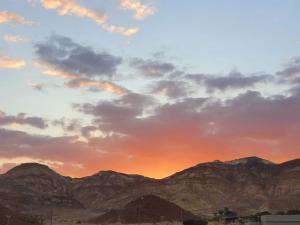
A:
(246, 185)
(9, 217)
(38, 185)
(146, 209)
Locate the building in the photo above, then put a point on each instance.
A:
(277, 220)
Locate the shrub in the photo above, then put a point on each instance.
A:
(195, 222)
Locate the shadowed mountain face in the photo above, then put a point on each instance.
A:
(146, 209)
(246, 185)
(9, 217)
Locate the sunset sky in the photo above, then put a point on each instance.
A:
(147, 86)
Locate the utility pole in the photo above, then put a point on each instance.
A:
(181, 215)
(51, 214)
(8, 217)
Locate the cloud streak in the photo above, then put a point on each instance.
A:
(10, 63)
(22, 119)
(233, 80)
(16, 39)
(6, 17)
(152, 68)
(141, 11)
(72, 8)
(96, 85)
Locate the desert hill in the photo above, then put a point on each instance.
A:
(245, 185)
(146, 209)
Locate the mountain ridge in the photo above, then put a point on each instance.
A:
(252, 158)
(246, 185)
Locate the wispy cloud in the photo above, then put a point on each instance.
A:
(152, 68)
(232, 81)
(97, 85)
(22, 119)
(16, 39)
(38, 86)
(121, 30)
(8, 62)
(6, 17)
(70, 7)
(141, 11)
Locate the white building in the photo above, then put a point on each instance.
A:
(277, 220)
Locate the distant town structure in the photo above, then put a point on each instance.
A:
(277, 220)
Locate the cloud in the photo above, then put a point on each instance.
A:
(123, 110)
(191, 130)
(6, 17)
(172, 89)
(135, 100)
(184, 132)
(38, 86)
(16, 39)
(70, 7)
(74, 60)
(8, 62)
(291, 72)
(97, 85)
(233, 80)
(57, 73)
(141, 11)
(22, 119)
(152, 68)
(68, 125)
(19, 147)
(121, 30)
(80, 65)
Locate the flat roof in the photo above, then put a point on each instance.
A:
(280, 218)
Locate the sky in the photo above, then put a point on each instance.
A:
(147, 87)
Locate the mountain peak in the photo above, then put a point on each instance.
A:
(30, 168)
(249, 160)
(145, 209)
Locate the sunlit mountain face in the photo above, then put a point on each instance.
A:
(147, 87)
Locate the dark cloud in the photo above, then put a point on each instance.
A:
(68, 125)
(184, 132)
(253, 116)
(22, 119)
(109, 111)
(136, 100)
(246, 124)
(234, 80)
(152, 68)
(63, 54)
(291, 72)
(172, 89)
(86, 131)
(66, 149)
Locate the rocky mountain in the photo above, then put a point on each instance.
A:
(31, 185)
(245, 185)
(146, 209)
(7, 216)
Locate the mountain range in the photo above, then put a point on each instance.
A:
(246, 185)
